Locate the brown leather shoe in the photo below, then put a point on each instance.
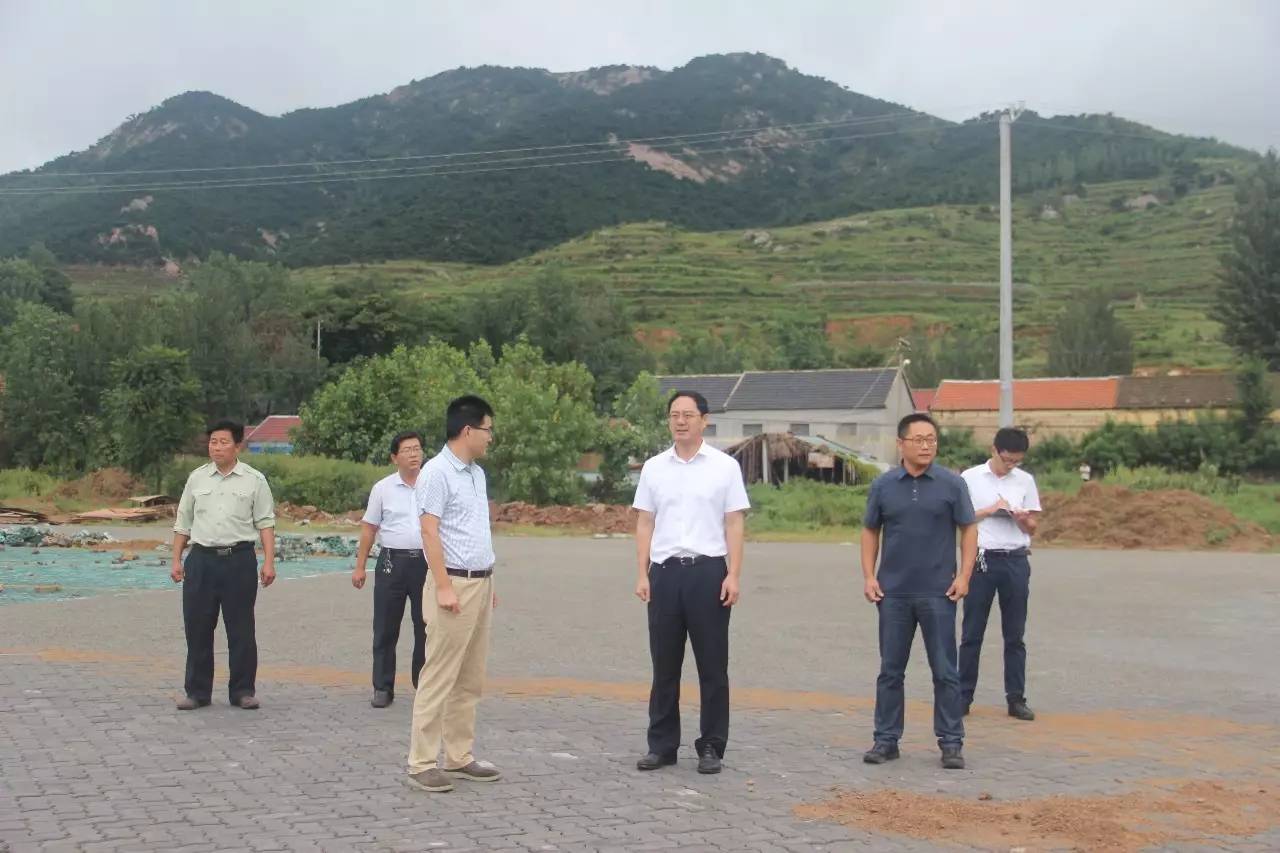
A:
(188, 703)
(249, 703)
(432, 780)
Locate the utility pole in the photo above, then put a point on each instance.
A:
(1006, 266)
(317, 339)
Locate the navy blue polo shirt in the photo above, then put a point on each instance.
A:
(918, 517)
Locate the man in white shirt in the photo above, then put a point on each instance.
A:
(392, 516)
(689, 534)
(1007, 505)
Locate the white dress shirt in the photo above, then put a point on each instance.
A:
(457, 493)
(1018, 488)
(393, 509)
(689, 501)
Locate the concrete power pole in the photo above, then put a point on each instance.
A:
(1006, 267)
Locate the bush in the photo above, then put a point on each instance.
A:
(1056, 452)
(806, 505)
(333, 485)
(958, 450)
(1207, 480)
(25, 483)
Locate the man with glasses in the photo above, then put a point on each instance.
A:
(1010, 504)
(689, 531)
(392, 516)
(458, 601)
(910, 524)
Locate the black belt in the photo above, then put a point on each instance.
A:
(688, 561)
(404, 552)
(222, 550)
(469, 573)
(1015, 552)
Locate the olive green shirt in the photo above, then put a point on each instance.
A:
(217, 510)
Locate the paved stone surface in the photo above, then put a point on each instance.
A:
(1146, 669)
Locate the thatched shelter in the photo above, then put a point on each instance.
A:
(775, 457)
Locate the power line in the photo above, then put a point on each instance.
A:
(436, 171)
(267, 180)
(1101, 132)
(318, 163)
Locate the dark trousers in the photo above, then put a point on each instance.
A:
(228, 584)
(1008, 576)
(396, 578)
(685, 601)
(936, 616)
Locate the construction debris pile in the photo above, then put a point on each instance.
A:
(596, 518)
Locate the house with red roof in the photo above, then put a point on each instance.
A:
(273, 435)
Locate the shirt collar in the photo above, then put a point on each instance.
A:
(453, 459)
(238, 470)
(701, 451)
(903, 473)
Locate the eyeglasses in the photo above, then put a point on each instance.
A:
(684, 416)
(1012, 463)
(486, 429)
(922, 440)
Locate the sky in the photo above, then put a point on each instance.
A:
(72, 70)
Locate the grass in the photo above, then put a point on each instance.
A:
(873, 275)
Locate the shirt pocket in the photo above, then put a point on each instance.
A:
(201, 499)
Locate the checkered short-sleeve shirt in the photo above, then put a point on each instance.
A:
(457, 493)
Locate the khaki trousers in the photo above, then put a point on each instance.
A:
(449, 685)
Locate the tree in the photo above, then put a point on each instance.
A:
(803, 344)
(1254, 392)
(38, 406)
(545, 422)
(703, 351)
(1248, 297)
(962, 352)
(23, 281)
(1089, 340)
(636, 430)
(152, 408)
(356, 416)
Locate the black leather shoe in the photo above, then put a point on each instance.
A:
(966, 709)
(1020, 710)
(652, 761)
(951, 758)
(708, 761)
(880, 753)
(381, 698)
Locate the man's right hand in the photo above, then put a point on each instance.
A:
(642, 588)
(447, 599)
(1000, 504)
(176, 574)
(357, 577)
(871, 591)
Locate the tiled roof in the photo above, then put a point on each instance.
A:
(960, 395)
(275, 428)
(1189, 391)
(715, 387)
(790, 389)
(923, 398)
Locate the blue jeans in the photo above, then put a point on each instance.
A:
(936, 616)
(1008, 576)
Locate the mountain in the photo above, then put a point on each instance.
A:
(727, 141)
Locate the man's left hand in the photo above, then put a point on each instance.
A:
(959, 589)
(729, 591)
(268, 573)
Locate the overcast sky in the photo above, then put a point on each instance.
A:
(71, 70)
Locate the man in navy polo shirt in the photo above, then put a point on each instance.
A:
(914, 511)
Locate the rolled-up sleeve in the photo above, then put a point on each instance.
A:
(264, 506)
(433, 492)
(185, 515)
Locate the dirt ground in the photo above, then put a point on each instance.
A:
(1120, 823)
(1101, 516)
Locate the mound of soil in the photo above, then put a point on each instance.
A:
(107, 486)
(311, 515)
(1101, 516)
(598, 518)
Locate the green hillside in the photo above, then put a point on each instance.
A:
(872, 277)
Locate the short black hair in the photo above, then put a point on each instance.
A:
(405, 436)
(698, 400)
(466, 411)
(1011, 440)
(226, 425)
(916, 418)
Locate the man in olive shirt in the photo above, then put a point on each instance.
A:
(225, 506)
